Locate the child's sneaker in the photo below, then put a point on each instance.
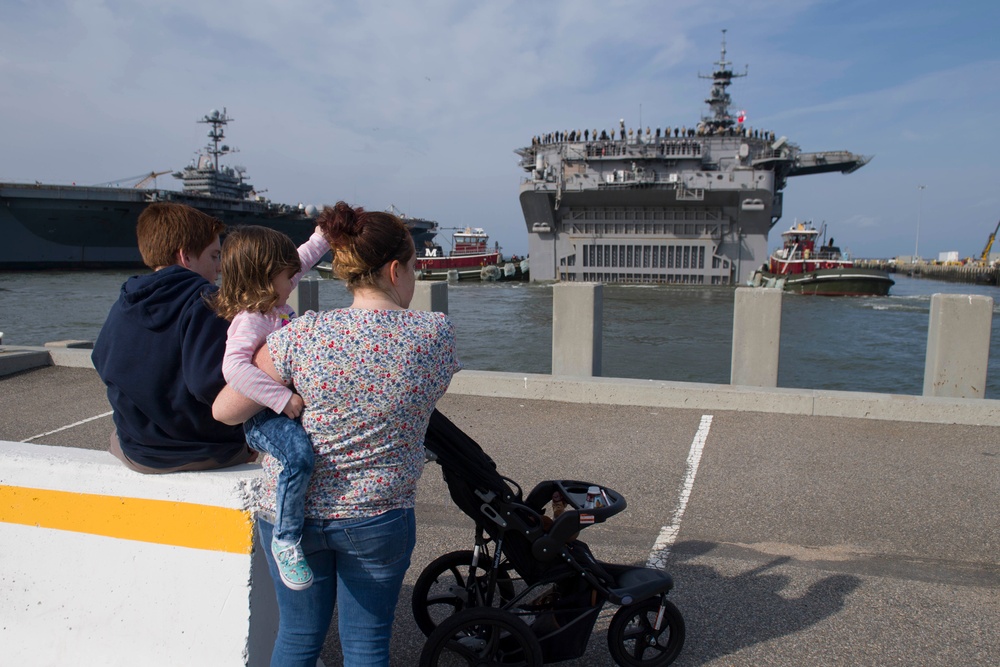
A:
(292, 566)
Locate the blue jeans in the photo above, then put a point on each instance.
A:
(358, 565)
(288, 442)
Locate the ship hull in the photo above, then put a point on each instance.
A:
(650, 234)
(70, 227)
(829, 282)
(461, 267)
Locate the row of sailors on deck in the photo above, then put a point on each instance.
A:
(703, 130)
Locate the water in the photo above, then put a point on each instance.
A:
(650, 332)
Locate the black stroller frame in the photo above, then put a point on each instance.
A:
(530, 592)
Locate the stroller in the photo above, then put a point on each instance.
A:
(529, 592)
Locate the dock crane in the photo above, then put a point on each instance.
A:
(989, 244)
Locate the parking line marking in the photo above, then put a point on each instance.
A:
(668, 534)
(67, 426)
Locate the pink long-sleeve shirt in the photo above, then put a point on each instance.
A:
(248, 331)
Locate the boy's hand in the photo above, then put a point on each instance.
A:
(294, 407)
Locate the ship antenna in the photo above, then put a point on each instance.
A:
(719, 99)
(218, 121)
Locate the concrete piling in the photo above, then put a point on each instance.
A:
(958, 346)
(430, 296)
(577, 324)
(756, 336)
(305, 296)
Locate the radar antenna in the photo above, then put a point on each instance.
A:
(218, 121)
(719, 99)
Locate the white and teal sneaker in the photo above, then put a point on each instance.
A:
(292, 566)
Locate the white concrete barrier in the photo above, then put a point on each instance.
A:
(104, 566)
(430, 296)
(756, 336)
(697, 396)
(577, 328)
(958, 345)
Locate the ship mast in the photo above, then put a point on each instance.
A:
(719, 99)
(217, 134)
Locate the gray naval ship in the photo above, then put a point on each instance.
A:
(675, 205)
(93, 227)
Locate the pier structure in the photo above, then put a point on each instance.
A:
(799, 525)
(978, 273)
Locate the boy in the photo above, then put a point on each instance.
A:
(160, 350)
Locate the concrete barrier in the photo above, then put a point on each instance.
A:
(577, 324)
(958, 346)
(17, 359)
(305, 296)
(756, 337)
(104, 566)
(697, 396)
(430, 296)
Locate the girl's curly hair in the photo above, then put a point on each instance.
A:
(252, 257)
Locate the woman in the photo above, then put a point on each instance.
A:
(370, 376)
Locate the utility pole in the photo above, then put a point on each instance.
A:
(916, 244)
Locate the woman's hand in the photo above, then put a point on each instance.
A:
(231, 407)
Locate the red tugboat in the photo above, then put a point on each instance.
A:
(470, 259)
(799, 266)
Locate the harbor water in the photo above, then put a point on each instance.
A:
(659, 332)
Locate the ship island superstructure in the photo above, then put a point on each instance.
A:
(676, 205)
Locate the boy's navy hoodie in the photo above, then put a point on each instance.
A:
(160, 354)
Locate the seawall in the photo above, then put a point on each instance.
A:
(652, 393)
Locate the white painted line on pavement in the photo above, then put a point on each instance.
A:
(668, 534)
(63, 428)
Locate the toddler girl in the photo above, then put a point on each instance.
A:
(260, 268)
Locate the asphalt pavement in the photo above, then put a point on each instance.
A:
(801, 540)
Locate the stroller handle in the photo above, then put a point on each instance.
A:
(564, 528)
(575, 494)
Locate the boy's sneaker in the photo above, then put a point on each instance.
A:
(292, 566)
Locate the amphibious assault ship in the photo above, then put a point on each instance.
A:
(678, 205)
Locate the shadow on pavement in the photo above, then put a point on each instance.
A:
(724, 614)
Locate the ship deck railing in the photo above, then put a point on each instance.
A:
(680, 148)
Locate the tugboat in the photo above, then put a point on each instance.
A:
(470, 259)
(799, 266)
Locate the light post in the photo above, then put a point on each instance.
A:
(916, 244)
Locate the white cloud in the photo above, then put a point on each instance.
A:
(422, 104)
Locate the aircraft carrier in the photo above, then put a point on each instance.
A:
(93, 227)
(675, 205)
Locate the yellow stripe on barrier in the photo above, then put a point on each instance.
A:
(158, 521)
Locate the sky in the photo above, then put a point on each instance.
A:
(421, 104)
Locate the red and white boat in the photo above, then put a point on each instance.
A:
(470, 258)
(799, 266)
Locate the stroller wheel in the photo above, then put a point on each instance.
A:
(443, 588)
(633, 640)
(482, 636)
